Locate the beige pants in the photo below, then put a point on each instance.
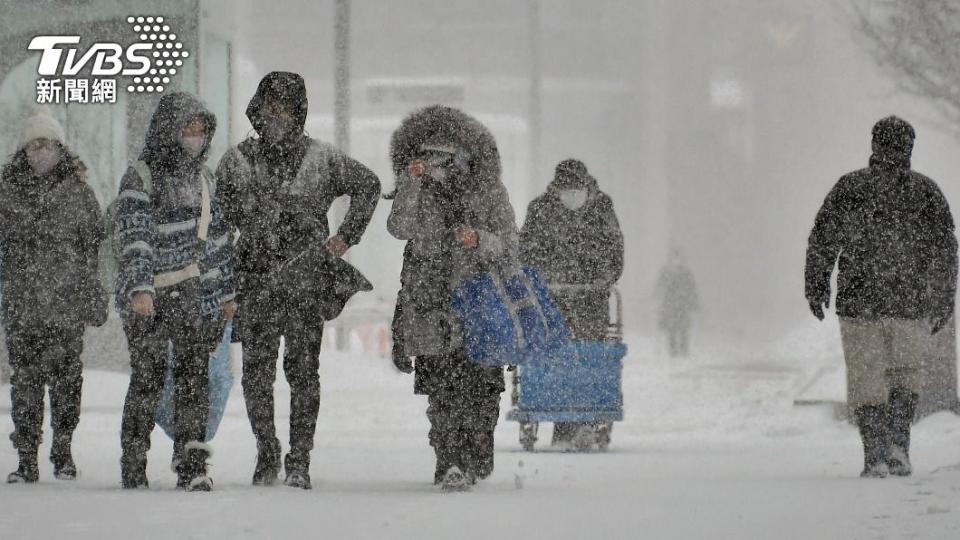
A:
(881, 355)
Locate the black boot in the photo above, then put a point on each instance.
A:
(28, 472)
(902, 405)
(268, 463)
(192, 470)
(484, 454)
(872, 421)
(62, 458)
(297, 466)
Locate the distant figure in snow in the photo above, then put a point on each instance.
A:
(572, 237)
(893, 233)
(677, 293)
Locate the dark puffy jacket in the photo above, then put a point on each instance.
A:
(157, 221)
(279, 195)
(425, 217)
(893, 233)
(50, 233)
(578, 252)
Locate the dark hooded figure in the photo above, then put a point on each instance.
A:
(677, 294)
(175, 285)
(892, 231)
(572, 237)
(49, 235)
(277, 189)
(452, 210)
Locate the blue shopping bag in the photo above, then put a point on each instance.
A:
(509, 318)
(221, 380)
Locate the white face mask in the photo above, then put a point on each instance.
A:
(573, 199)
(43, 160)
(193, 145)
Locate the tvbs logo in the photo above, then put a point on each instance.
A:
(151, 62)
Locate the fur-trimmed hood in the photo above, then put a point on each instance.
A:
(438, 124)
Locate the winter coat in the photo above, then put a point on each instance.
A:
(894, 235)
(426, 215)
(677, 292)
(50, 233)
(579, 253)
(157, 219)
(279, 195)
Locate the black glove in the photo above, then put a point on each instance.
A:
(403, 362)
(817, 306)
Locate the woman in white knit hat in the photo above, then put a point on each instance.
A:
(50, 232)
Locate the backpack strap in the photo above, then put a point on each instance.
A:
(145, 175)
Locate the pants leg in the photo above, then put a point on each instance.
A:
(26, 387)
(866, 352)
(260, 346)
(301, 366)
(65, 381)
(148, 345)
(193, 344)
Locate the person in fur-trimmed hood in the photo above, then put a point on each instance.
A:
(277, 190)
(49, 236)
(452, 210)
(175, 285)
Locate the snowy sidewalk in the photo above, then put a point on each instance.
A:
(712, 447)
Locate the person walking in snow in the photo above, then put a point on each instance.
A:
(50, 233)
(893, 233)
(277, 189)
(175, 286)
(677, 292)
(572, 237)
(452, 210)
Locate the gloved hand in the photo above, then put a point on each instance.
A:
(403, 362)
(818, 305)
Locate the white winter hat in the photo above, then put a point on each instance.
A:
(42, 125)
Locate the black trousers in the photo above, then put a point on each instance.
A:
(463, 415)
(44, 354)
(149, 339)
(269, 315)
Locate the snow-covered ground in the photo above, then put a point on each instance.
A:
(712, 447)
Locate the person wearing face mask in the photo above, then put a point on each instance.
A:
(277, 189)
(572, 237)
(452, 211)
(50, 233)
(175, 286)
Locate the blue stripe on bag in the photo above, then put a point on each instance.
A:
(509, 320)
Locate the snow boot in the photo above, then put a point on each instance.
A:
(192, 470)
(872, 421)
(297, 466)
(267, 469)
(28, 472)
(903, 404)
(62, 458)
(456, 480)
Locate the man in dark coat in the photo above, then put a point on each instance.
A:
(573, 239)
(175, 286)
(50, 232)
(277, 190)
(893, 233)
(453, 212)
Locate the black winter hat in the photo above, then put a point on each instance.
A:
(893, 133)
(570, 173)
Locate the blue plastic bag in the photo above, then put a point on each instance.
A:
(509, 318)
(221, 380)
